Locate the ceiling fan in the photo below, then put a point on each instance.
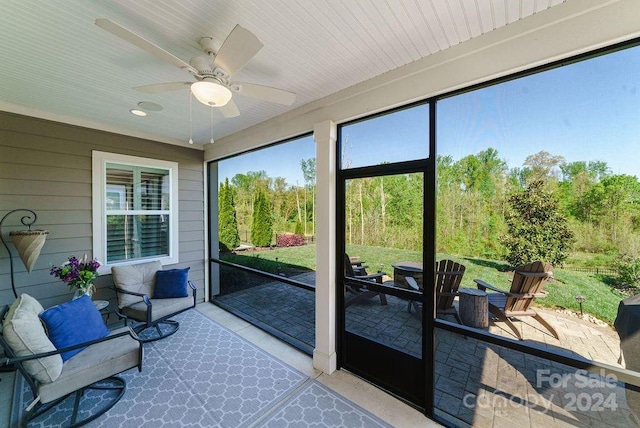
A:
(212, 72)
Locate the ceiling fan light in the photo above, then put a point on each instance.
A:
(211, 93)
(138, 112)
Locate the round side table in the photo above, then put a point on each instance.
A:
(474, 307)
(102, 307)
(101, 304)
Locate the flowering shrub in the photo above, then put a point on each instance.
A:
(289, 240)
(78, 273)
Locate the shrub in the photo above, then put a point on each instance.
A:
(228, 224)
(290, 240)
(536, 228)
(262, 225)
(628, 268)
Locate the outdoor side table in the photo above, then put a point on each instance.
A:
(101, 306)
(474, 307)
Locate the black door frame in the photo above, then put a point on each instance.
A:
(408, 377)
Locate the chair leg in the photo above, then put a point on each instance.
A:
(546, 325)
(113, 383)
(159, 334)
(502, 317)
(409, 305)
(383, 299)
(76, 406)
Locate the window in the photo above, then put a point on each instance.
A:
(544, 167)
(398, 136)
(263, 218)
(135, 209)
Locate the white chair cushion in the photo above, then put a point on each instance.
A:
(95, 363)
(139, 278)
(25, 334)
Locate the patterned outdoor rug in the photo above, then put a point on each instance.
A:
(207, 376)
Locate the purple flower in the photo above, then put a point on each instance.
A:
(77, 273)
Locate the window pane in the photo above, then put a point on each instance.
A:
(266, 221)
(137, 188)
(154, 190)
(266, 205)
(119, 189)
(383, 237)
(137, 236)
(395, 137)
(481, 384)
(544, 167)
(288, 310)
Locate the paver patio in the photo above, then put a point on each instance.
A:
(477, 383)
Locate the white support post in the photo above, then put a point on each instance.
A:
(324, 354)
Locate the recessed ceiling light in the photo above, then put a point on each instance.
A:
(149, 106)
(138, 112)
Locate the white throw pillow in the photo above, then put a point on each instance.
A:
(25, 335)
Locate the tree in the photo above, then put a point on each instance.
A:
(536, 230)
(227, 222)
(309, 171)
(262, 226)
(543, 166)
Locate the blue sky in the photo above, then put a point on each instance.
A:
(281, 160)
(586, 111)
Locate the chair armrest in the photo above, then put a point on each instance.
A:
(145, 298)
(129, 332)
(193, 291)
(374, 276)
(412, 282)
(484, 286)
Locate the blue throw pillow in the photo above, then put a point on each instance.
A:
(73, 322)
(171, 283)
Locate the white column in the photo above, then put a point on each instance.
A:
(324, 355)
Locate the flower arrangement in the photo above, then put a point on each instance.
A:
(78, 273)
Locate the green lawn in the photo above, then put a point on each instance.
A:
(601, 300)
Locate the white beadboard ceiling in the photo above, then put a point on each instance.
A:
(56, 64)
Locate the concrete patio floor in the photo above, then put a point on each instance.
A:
(477, 384)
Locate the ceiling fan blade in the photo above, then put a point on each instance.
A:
(230, 110)
(162, 87)
(140, 42)
(266, 93)
(239, 47)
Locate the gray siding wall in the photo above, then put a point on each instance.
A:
(46, 167)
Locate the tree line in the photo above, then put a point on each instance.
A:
(484, 207)
(264, 206)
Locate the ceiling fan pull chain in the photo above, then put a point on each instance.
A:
(190, 119)
(211, 141)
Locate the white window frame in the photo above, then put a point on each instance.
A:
(99, 179)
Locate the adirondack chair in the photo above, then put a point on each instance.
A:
(358, 266)
(361, 293)
(527, 285)
(448, 277)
